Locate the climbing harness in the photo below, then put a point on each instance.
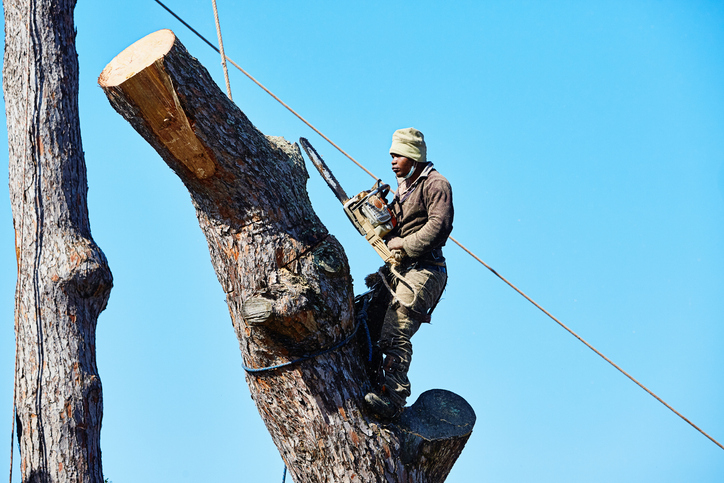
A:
(407, 308)
(451, 238)
(393, 292)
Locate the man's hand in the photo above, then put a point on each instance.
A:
(395, 243)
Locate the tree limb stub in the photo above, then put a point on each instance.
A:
(138, 74)
(286, 278)
(434, 431)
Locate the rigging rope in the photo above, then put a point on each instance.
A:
(451, 238)
(587, 344)
(221, 50)
(255, 370)
(267, 91)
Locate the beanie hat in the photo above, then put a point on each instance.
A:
(410, 143)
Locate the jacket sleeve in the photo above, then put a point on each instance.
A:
(437, 196)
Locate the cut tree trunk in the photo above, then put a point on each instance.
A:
(286, 278)
(63, 277)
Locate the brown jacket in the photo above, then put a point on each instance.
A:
(424, 213)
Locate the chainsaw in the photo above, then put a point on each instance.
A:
(368, 210)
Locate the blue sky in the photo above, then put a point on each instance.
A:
(585, 145)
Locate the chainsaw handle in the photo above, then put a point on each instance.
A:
(381, 188)
(398, 256)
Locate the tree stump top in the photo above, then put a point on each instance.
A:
(438, 414)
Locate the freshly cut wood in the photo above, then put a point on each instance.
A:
(286, 279)
(136, 73)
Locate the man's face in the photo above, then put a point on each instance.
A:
(401, 165)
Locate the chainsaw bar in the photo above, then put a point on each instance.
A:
(367, 211)
(324, 170)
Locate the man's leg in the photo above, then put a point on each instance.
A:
(396, 346)
(416, 294)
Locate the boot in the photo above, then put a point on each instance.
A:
(382, 406)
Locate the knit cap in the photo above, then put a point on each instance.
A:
(410, 143)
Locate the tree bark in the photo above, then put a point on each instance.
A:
(63, 277)
(286, 279)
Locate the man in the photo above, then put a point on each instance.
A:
(424, 210)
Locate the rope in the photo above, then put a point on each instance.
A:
(254, 370)
(394, 293)
(269, 92)
(306, 250)
(221, 50)
(451, 238)
(188, 26)
(587, 344)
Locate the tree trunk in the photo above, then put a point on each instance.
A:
(286, 278)
(63, 277)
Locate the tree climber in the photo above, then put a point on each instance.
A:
(423, 207)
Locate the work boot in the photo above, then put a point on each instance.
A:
(382, 406)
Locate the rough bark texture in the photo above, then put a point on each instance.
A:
(63, 277)
(434, 431)
(286, 278)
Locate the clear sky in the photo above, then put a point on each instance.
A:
(585, 145)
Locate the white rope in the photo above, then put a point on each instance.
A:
(221, 50)
(403, 280)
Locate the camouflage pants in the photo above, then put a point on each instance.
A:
(400, 324)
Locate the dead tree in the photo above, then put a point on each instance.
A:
(63, 277)
(286, 278)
